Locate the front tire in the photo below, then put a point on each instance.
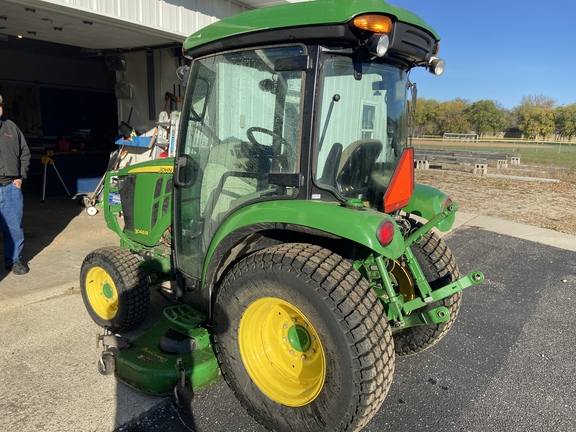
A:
(107, 363)
(114, 288)
(439, 268)
(303, 340)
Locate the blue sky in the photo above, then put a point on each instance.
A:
(500, 49)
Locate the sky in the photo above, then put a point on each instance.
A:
(500, 50)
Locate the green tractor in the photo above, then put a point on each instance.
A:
(298, 253)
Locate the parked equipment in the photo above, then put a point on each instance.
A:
(91, 201)
(283, 227)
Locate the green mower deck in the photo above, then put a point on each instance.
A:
(148, 368)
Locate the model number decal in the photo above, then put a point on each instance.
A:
(139, 231)
(155, 355)
(166, 170)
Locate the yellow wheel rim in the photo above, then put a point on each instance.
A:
(102, 293)
(282, 352)
(403, 283)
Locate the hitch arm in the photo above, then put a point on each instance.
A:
(473, 278)
(416, 236)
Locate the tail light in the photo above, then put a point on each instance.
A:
(401, 185)
(385, 233)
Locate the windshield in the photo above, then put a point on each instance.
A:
(362, 128)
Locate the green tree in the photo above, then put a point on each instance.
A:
(452, 118)
(536, 116)
(486, 117)
(426, 117)
(565, 120)
(510, 118)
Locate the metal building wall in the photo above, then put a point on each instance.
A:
(179, 17)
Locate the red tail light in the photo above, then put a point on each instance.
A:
(385, 233)
(401, 185)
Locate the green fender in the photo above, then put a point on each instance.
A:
(356, 225)
(427, 202)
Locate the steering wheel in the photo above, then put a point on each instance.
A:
(253, 140)
(264, 149)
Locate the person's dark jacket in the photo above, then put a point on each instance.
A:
(14, 151)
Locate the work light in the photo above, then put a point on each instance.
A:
(379, 44)
(436, 66)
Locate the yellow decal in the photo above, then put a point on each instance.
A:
(153, 354)
(139, 231)
(165, 169)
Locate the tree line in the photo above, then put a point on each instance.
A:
(537, 117)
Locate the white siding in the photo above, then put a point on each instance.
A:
(345, 124)
(178, 17)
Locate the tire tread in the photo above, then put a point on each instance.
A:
(354, 302)
(130, 278)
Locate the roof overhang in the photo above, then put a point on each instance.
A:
(55, 21)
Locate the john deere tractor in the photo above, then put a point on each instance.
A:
(298, 253)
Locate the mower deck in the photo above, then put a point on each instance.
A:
(147, 367)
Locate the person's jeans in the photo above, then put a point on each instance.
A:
(11, 209)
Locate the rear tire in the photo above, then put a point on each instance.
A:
(114, 288)
(439, 268)
(303, 340)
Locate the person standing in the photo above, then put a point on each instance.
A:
(14, 162)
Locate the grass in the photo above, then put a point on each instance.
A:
(560, 157)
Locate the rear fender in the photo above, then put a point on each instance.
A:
(427, 202)
(359, 226)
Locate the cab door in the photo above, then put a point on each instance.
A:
(237, 143)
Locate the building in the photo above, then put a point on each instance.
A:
(79, 68)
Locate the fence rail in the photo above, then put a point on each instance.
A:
(514, 144)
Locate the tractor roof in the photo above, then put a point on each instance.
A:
(295, 15)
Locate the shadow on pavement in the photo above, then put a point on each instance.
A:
(43, 221)
(58, 234)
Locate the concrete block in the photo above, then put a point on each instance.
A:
(515, 160)
(481, 169)
(423, 164)
(501, 163)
